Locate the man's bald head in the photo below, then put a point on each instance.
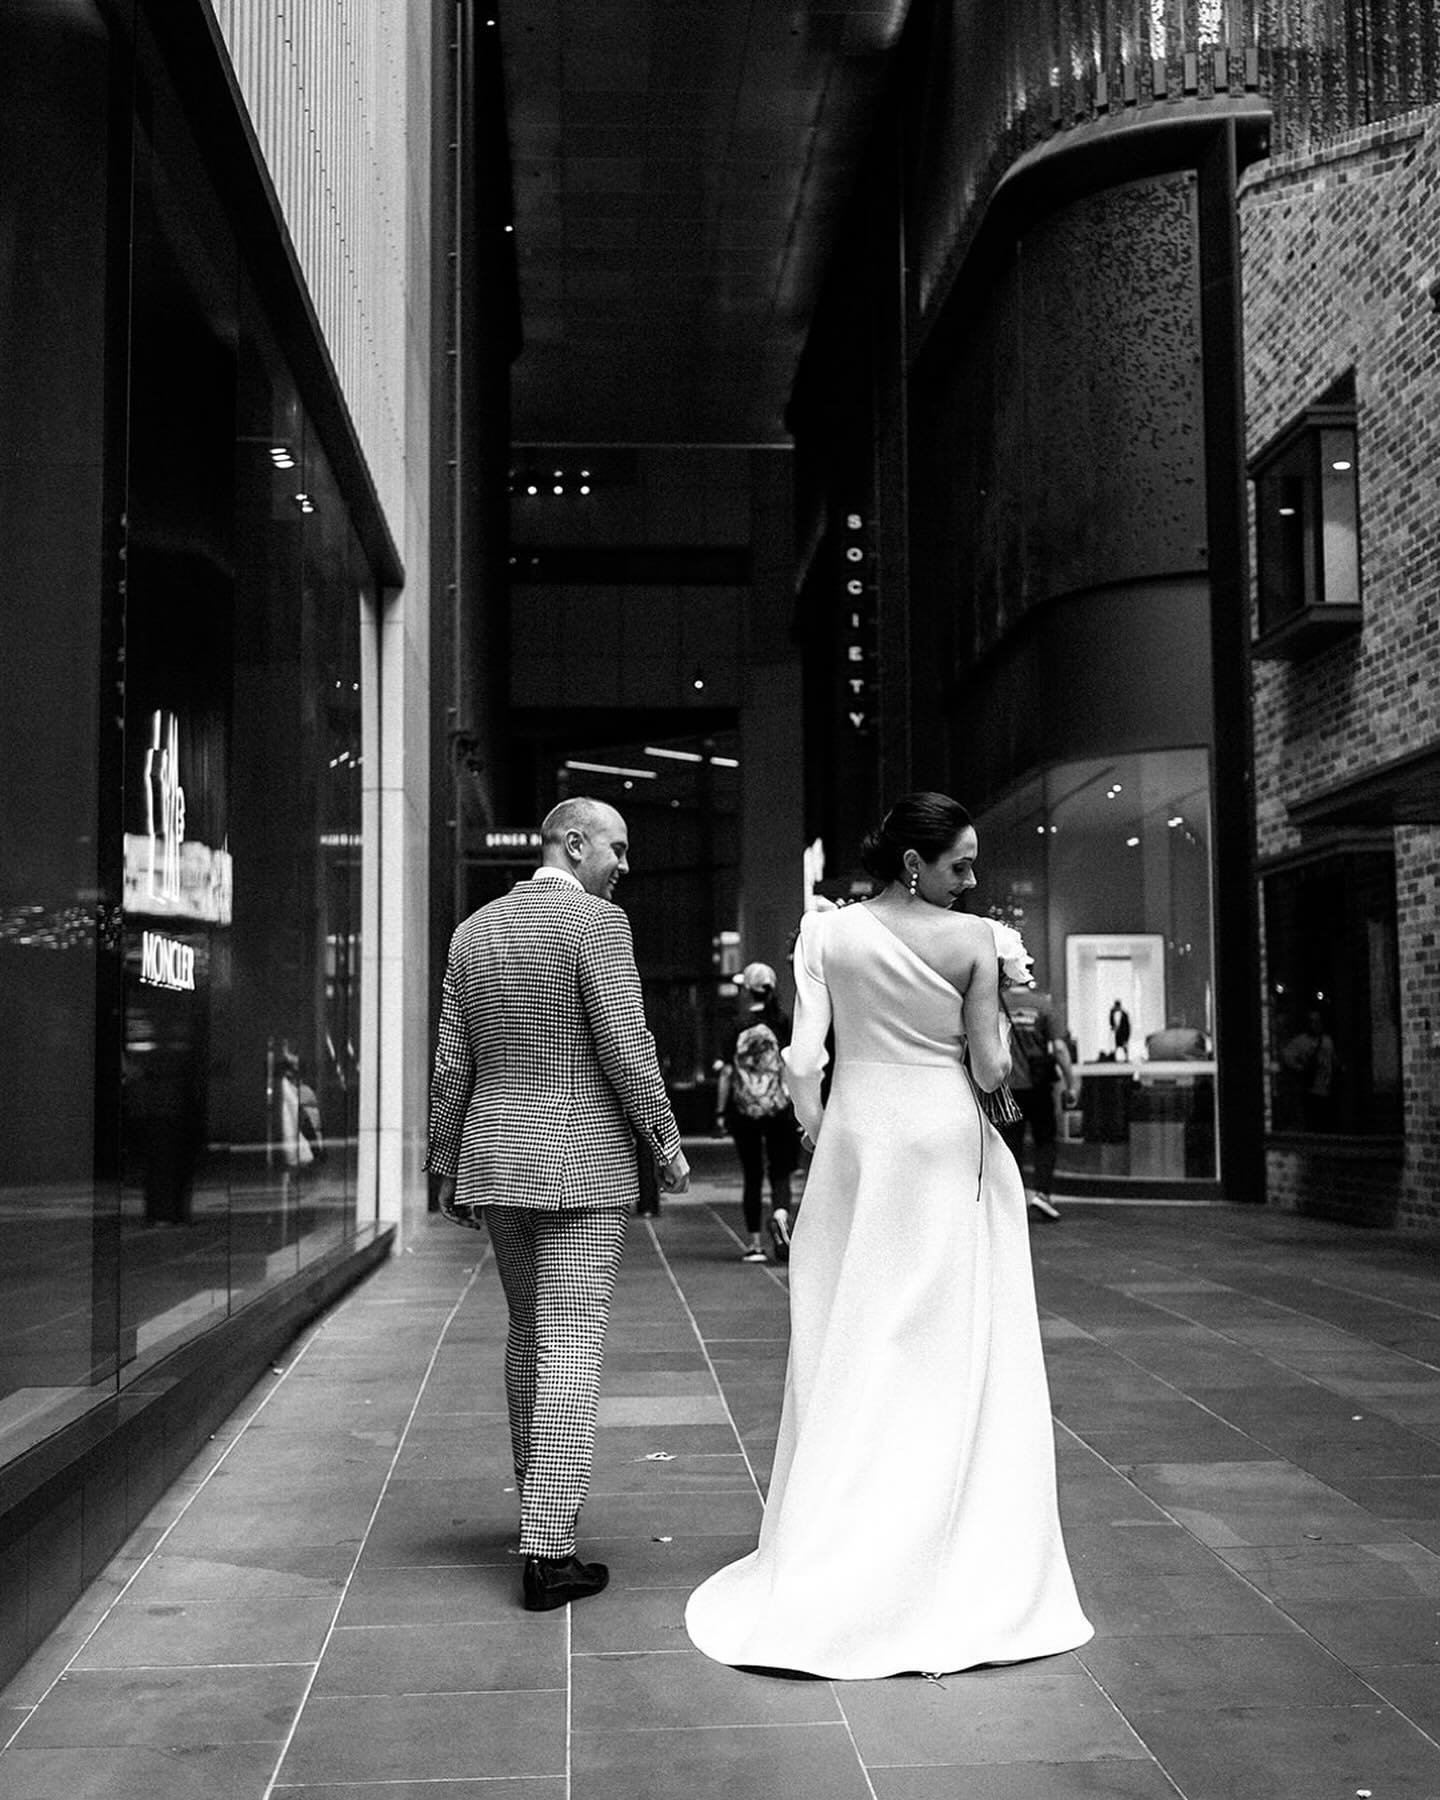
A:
(586, 838)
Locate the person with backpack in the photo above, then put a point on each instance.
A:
(752, 1105)
(1039, 1059)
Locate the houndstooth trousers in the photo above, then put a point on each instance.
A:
(558, 1269)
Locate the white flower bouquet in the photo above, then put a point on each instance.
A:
(1016, 962)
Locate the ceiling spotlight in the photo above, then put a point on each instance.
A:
(697, 680)
(558, 488)
(1174, 820)
(1341, 467)
(1131, 842)
(584, 490)
(1287, 512)
(532, 490)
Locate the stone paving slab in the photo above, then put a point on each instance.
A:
(326, 1603)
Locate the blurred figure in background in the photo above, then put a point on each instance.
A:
(752, 1105)
(1311, 1065)
(302, 1142)
(1039, 1064)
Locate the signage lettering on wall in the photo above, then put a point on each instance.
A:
(167, 872)
(166, 963)
(164, 806)
(858, 636)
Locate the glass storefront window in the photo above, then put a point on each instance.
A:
(1104, 867)
(1307, 529)
(1330, 940)
(62, 110)
(180, 779)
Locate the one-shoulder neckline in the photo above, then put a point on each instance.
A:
(910, 951)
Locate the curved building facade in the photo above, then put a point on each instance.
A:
(1026, 383)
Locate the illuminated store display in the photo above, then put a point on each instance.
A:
(1104, 865)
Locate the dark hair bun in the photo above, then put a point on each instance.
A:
(927, 823)
(879, 857)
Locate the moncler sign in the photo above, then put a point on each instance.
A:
(165, 962)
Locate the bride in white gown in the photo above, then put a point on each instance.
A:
(911, 1522)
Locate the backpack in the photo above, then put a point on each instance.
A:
(1033, 1063)
(757, 1091)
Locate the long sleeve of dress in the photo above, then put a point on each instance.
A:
(806, 1057)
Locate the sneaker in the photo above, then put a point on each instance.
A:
(1043, 1205)
(780, 1234)
(753, 1253)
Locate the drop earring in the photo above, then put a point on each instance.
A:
(914, 882)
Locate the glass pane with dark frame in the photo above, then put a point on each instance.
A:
(1331, 941)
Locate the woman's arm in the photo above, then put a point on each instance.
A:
(989, 1043)
(806, 1057)
(722, 1093)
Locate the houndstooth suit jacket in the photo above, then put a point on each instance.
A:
(544, 1059)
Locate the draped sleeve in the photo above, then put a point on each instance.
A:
(806, 1057)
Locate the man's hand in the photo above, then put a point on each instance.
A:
(675, 1174)
(445, 1195)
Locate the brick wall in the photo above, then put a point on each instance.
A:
(1340, 249)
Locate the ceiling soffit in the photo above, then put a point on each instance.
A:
(680, 168)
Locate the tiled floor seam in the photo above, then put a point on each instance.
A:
(724, 1401)
(1271, 1452)
(231, 1440)
(659, 1251)
(284, 1750)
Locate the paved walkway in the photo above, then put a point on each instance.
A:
(325, 1606)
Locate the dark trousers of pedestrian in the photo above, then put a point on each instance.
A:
(765, 1146)
(558, 1271)
(1037, 1107)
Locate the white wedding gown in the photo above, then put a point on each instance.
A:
(911, 1522)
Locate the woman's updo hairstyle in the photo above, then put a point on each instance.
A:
(925, 823)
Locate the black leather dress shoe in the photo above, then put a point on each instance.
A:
(552, 1581)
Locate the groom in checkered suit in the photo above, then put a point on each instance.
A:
(545, 1078)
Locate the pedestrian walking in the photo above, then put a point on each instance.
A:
(1040, 1073)
(545, 1076)
(752, 1105)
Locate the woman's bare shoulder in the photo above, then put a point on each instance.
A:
(973, 932)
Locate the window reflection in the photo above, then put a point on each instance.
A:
(180, 753)
(1333, 957)
(1104, 867)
